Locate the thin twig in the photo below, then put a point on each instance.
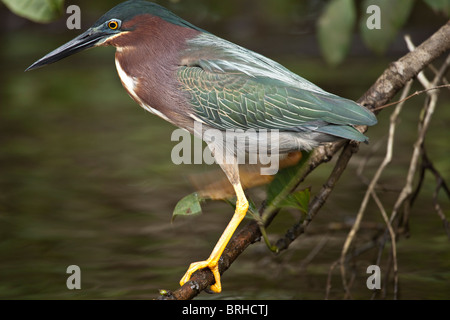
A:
(428, 111)
(370, 190)
(314, 252)
(393, 241)
(330, 272)
(412, 95)
(427, 164)
(356, 253)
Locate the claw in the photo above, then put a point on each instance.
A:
(214, 267)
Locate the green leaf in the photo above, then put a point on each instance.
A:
(252, 212)
(284, 181)
(297, 200)
(36, 10)
(188, 206)
(393, 15)
(280, 193)
(440, 6)
(335, 30)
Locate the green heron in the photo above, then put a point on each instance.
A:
(187, 75)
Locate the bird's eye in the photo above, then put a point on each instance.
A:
(113, 24)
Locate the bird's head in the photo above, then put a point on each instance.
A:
(124, 21)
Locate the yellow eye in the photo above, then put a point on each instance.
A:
(113, 24)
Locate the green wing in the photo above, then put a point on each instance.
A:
(237, 101)
(234, 88)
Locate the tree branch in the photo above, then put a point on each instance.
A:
(387, 85)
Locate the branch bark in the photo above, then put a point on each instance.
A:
(387, 85)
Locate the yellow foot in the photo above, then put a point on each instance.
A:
(214, 267)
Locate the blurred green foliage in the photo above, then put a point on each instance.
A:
(36, 10)
(393, 14)
(440, 6)
(335, 29)
(336, 24)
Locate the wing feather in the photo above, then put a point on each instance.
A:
(230, 87)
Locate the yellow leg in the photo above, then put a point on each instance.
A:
(213, 261)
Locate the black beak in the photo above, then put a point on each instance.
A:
(84, 41)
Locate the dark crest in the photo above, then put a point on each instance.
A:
(128, 10)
